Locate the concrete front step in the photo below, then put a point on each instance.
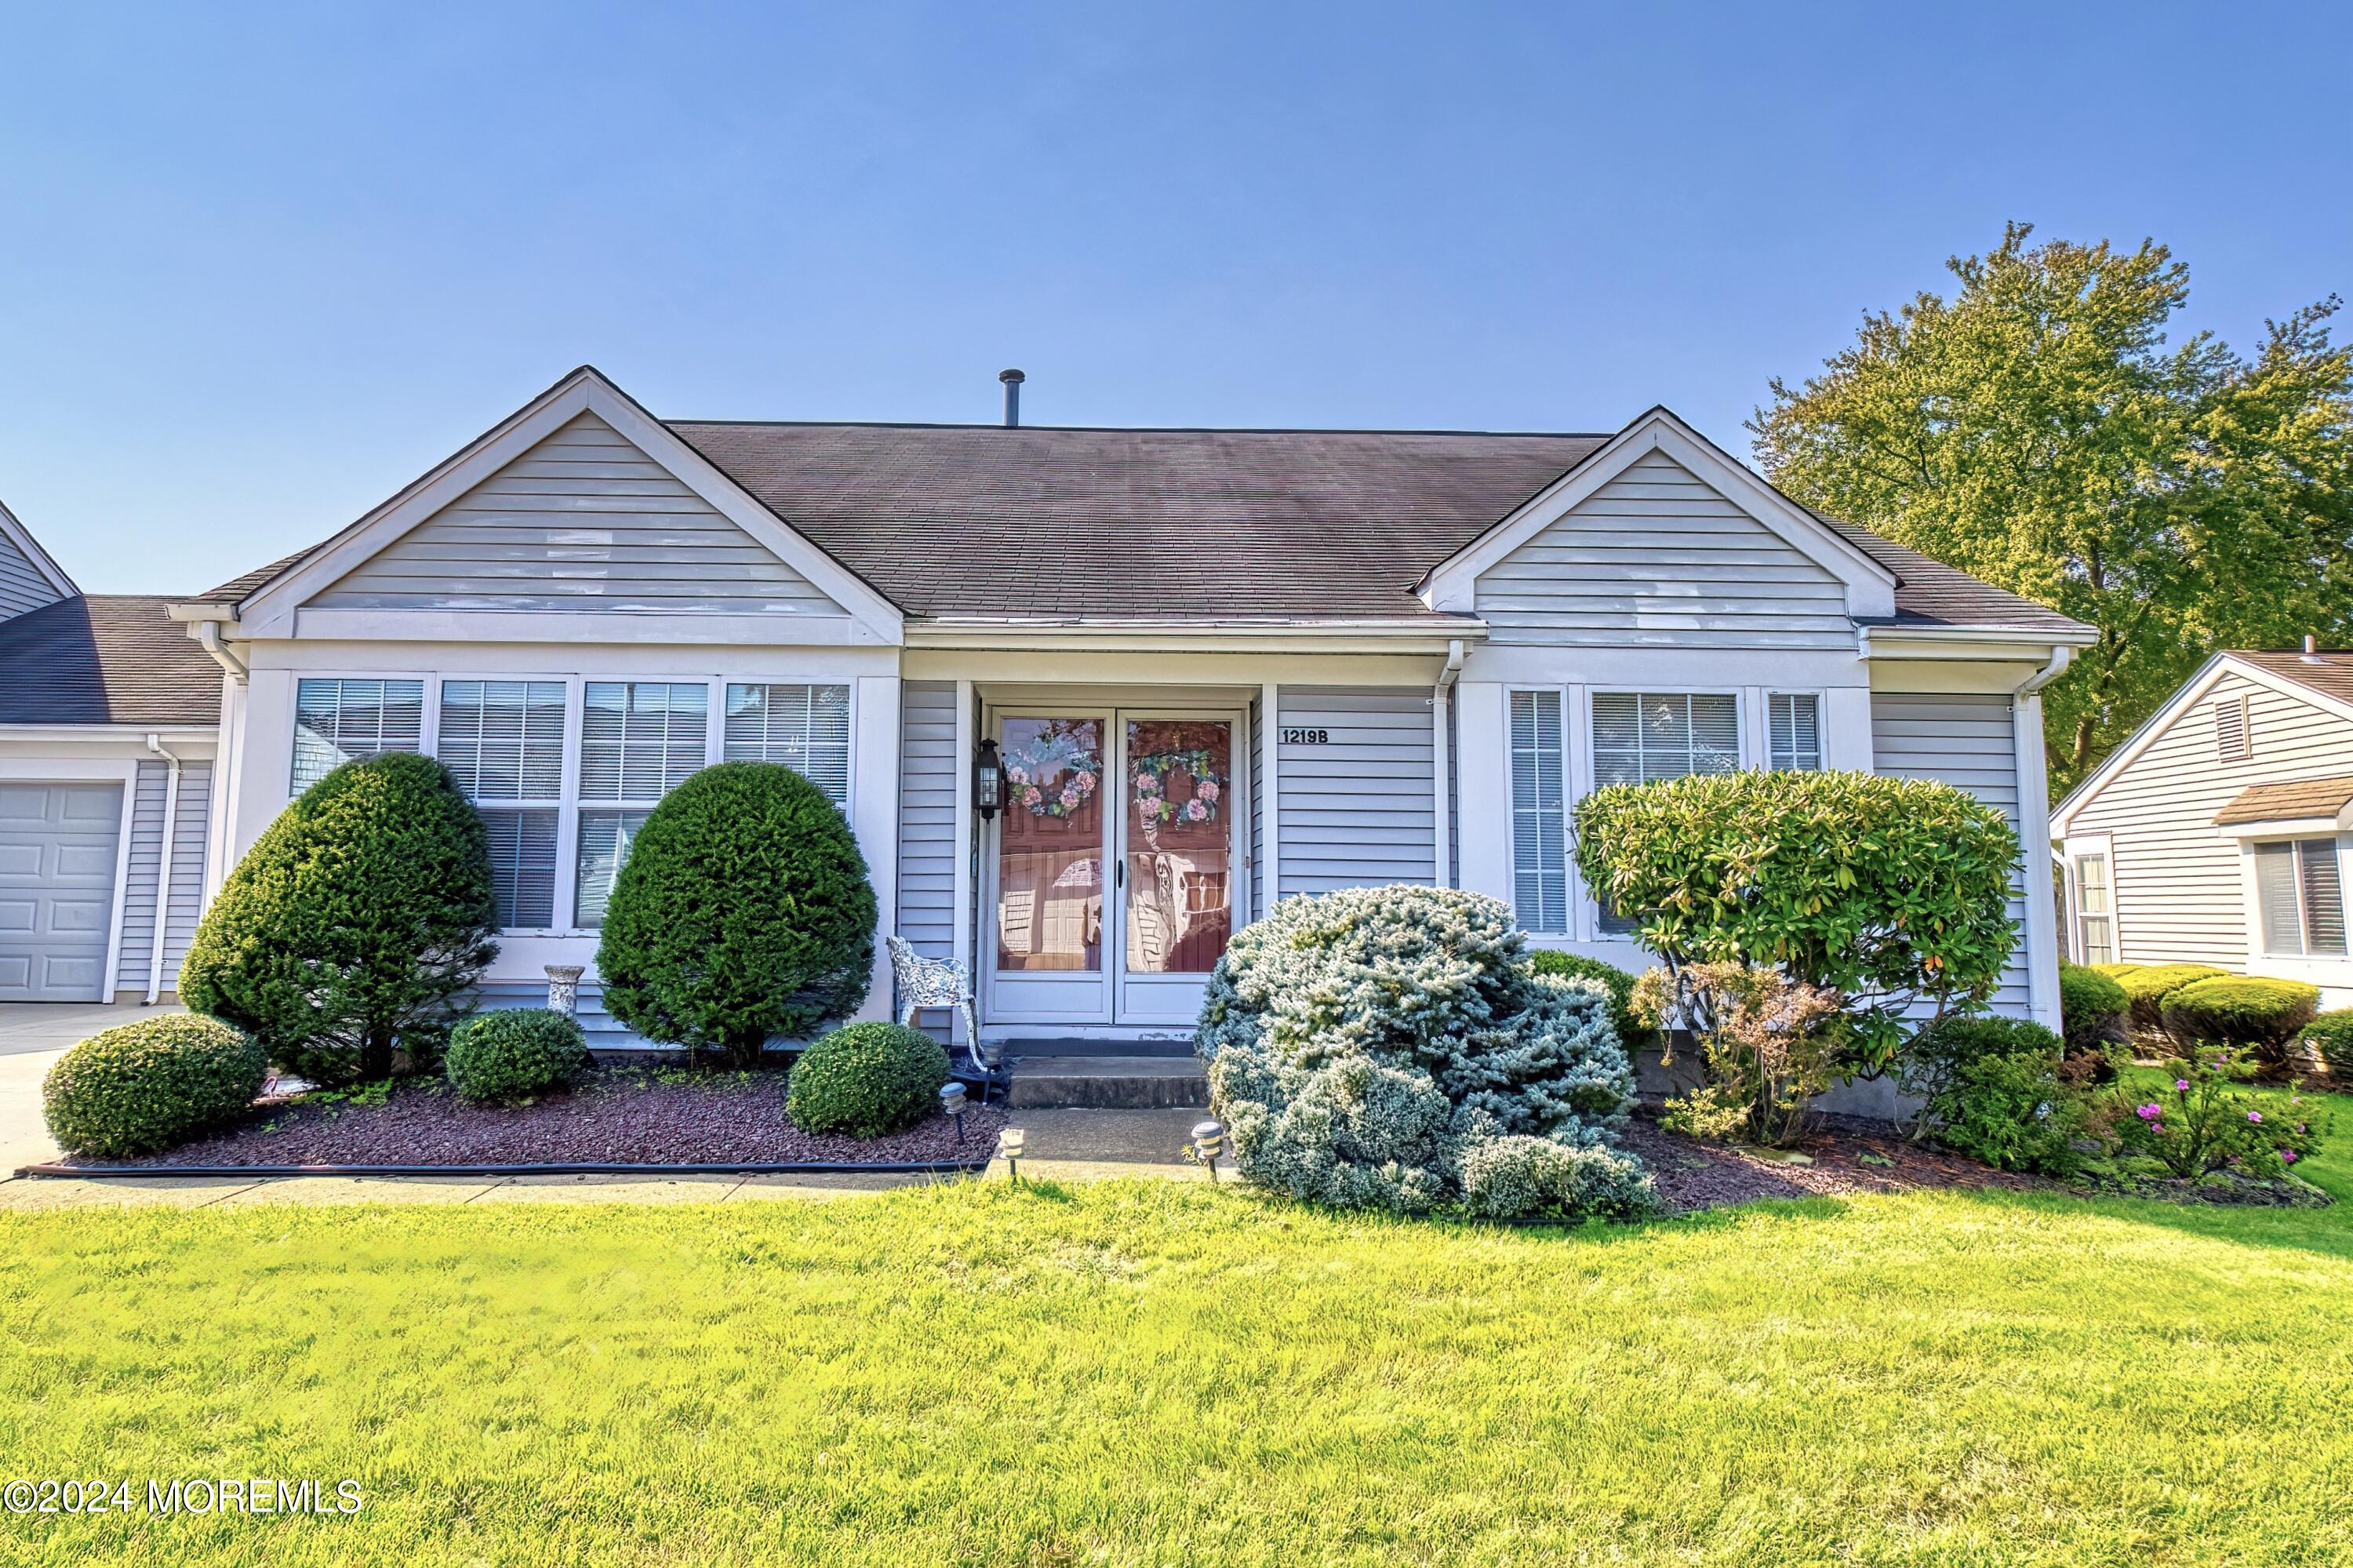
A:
(1109, 1083)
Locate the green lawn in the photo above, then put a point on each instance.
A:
(1141, 1373)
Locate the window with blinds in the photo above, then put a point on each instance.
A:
(339, 721)
(2096, 931)
(1793, 725)
(805, 727)
(1539, 813)
(502, 741)
(2300, 897)
(2231, 739)
(638, 740)
(1640, 737)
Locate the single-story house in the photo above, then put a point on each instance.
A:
(2218, 832)
(109, 726)
(1220, 667)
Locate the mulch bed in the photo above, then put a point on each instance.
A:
(1692, 1174)
(624, 1115)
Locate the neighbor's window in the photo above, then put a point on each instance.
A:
(2095, 930)
(338, 721)
(1539, 828)
(2301, 895)
(805, 727)
(638, 740)
(502, 741)
(1639, 737)
(1794, 729)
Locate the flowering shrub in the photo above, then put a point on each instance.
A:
(2203, 1124)
(1363, 1046)
(1764, 1052)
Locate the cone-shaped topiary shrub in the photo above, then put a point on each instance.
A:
(1363, 1047)
(867, 1080)
(147, 1086)
(1632, 1034)
(2094, 1014)
(355, 925)
(514, 1053)
(742, 914)
(2262, 1017)
(2147, 985)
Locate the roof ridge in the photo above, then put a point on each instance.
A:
(1150, 430)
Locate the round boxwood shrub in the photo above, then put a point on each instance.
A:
(514, 1053)
(354, 925)
(2093, 1011)
(2331, 1034)
(1632, 1034)
(2147, 985)
(867, 1080)
(2260, 1016)
(1363, 1046)
(1893, 893)
(147, 1086)
(742, 914)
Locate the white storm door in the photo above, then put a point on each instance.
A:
(1048, 958)
(1176, 848)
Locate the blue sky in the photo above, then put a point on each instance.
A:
(259, 267)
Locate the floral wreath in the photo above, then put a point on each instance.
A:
(1055, 753)
(1153, 801)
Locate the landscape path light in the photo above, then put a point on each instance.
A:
(1209, 1143)
(952, 1102)
(1008, 1149)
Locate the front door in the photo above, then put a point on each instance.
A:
(1112, 873)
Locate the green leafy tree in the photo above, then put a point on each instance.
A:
(356, 926)
(2037, 431)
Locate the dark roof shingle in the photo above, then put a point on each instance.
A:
(105, 658)
(2331, 674)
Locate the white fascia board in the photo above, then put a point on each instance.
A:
(1079, 634)
(269, 610)
(1973, 642)
(16, 534)
(2289, 827)
(1451, 585)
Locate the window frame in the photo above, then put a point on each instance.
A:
(2258, 939)
(566, 770)
(2077, 914)
(1821, 701)
(428, 722)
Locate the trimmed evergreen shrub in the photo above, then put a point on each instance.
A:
(1518, 1177)
(355, 924)
(142, 1087)
(1891, 891)
(1632, 1034)
(743, 914)
(1996, 1089)
(867, 1080)
(2147, 985)
(514, 1053)
(2094, 1016)
(1364, 1045)
(2331, 1034)
(1938, 1051)
(2260, 1016)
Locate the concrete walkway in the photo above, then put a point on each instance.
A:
(33, 1035)
(1062, 1146)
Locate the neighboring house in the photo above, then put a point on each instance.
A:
(110, 724)
(2218, 832)
(1225, 665)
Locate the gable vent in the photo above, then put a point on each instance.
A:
(2230, 730)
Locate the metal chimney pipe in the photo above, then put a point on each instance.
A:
(1013, 380)
(2311, 648)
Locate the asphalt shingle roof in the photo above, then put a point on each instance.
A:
(105, 658)
(2281, 802)
(2329, 673)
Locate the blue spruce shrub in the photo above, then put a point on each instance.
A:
(1366, 1047)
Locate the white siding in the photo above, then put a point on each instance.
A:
(2177, 883)
(584, 521)
(142, 878)
(21, 586)
(1657, 556)
(1361, 808)
(1968, 740)
(929, 778)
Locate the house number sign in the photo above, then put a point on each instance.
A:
(1306, 737)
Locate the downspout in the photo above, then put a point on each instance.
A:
(2043, 922)
(161, 930)
(1442, 828)
(2060, 657)
(208, 634)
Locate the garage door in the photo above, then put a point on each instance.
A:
(56, 889)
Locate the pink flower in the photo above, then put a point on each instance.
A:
(1207, 791)
(1195, 810)
(1147, 784)
(2181, 1084)
(2254, 1116)
(1069, 794)
(1085, 782)
(2288, 1155)
(1016, 774)
(1031, 796)
(2150, 1112)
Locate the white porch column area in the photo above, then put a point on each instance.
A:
(1270, 853)
(1486, 818)
(2034, 840)
(874, 818)
(966, 743)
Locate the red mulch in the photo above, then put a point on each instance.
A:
(626, 1116)
(1692, 1174)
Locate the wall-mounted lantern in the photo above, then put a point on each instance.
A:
(988, 781)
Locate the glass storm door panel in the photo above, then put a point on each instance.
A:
(1049, 870)
(1178, 842)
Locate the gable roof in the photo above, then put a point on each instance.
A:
(105, 658)
(986, 521)
(2330, 675)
